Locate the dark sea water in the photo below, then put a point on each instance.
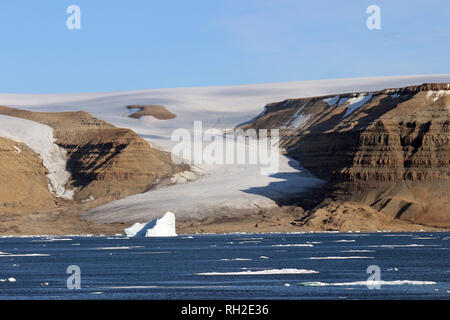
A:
(320, 266)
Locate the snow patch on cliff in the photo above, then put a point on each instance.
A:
(436, 95)
(332, 101)
(356, 103)
(39, 138)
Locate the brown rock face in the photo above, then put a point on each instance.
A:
(23, 182)
(158, 112)
(390, 153)
(106, 163)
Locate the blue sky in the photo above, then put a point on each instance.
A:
(145, 44)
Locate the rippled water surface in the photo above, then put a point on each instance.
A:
(236, 266)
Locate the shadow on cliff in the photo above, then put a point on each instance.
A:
(291, 187)
(84, 173)
(302, 187)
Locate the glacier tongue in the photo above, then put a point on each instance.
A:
(163, 227)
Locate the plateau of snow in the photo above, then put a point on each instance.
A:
(220, 189)
(39, 138)
(218, 107)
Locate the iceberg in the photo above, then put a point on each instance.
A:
(163, 227)
(137, 229)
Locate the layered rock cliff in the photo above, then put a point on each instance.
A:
(386, 151)
(106, 163)
(23, 181)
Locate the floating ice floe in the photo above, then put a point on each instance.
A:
(294, 245)
(424, 238)
(4, 255)
(367, 283)
(249, 241)
(163, 227)
(339, 258)
(118, 248)
(52, 240)
(403, 245)
(259, 272)
(392, 269)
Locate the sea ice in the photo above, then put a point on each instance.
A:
(368, 282)
(339, 258)
(259, 272)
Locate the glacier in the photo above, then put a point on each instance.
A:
(220, 189)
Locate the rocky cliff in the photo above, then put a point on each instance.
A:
(106, 163)
(23, 181)
(386, 151)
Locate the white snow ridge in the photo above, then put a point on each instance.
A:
(39, 138)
